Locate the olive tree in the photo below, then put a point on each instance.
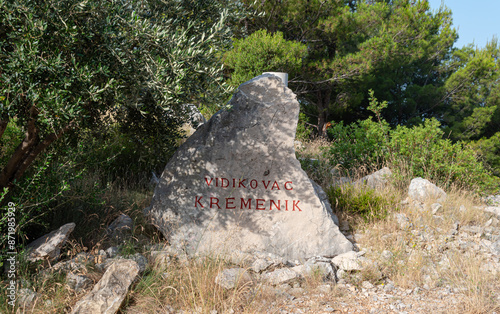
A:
(65, 65)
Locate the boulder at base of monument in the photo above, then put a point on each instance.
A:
(235, 184)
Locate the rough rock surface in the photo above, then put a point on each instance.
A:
(349, 261)
(235, 184)
(120, 227)
(49, 245)
(229, 278)
(109, 293)
(424, 191)
(280, 276)
(376, 180)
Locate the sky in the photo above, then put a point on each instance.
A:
(476, 21)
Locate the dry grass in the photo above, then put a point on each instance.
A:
(422, 254)
(189, 285)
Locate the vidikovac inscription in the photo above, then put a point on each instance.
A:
(202, 201)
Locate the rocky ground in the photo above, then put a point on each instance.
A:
(478, 244)
(442, 257)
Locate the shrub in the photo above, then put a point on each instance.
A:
(358, 144)
(359, 201)
(421, 151)
(418, 151)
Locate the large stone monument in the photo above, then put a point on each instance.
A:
(235, 184)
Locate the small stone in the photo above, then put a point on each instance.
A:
(324, 288)
(367, 285)
(260, 265)
(280, 276)
(341, 275)
(387, 255)
(389, 287)
(78, 282)
(26, 298)
(436, 207)
(376, 180)
(109, 293)
(112, 252)
(230, 278)
(348, 261)
(404, 222)
(120, 228)
(49, 246)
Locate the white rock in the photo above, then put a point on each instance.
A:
(348, 261)
(325, 270)
(260, 265)
(230, 278)
(387, 255)
(49, 246)
(236, 184)
(280, 276)
(376, 180)
(367, 285)
(424, 191)
(494, 210)
(436, 207)
(109, 293)
(404, 222)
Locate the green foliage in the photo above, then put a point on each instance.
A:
(489, 148)
(356, 201)
(107, 81)
(396, 48)
(263, 52)
(360, 144)
(473, 106)
(71, 65)
(422, 151)
(419, 151)
(303, 130)
(35, 198)
(12, 136)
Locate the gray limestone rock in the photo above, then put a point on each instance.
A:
(349, 261)
(323, 269)
(435, 207)
(120, 227)
(109, 293)
(230, 278)
(494, 210)
(78, 282)
(142, 262)
(26, 299)
(235, 184)
(49, 246)
(404, 222)
(260, 265)
(424, 191)
(377, 179)
(280, 276)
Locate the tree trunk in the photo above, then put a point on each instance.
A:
(3, 126)
(27, 151)
(322, 104)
